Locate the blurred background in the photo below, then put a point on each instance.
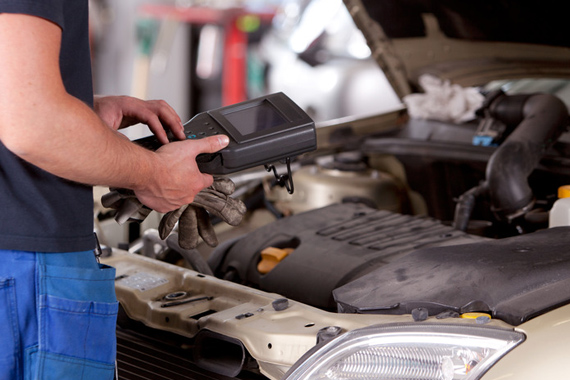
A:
(199, 55)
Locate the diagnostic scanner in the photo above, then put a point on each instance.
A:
(262, 131)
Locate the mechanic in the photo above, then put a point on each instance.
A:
(57, 304)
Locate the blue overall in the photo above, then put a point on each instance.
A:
(57, 316)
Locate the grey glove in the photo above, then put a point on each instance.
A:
(194, 220)
(128, 207)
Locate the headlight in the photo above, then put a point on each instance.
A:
(407, 352)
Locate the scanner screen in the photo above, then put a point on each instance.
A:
(254, 119)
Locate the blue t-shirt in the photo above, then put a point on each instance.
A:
(39, 211)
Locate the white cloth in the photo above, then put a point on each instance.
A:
(443, 101)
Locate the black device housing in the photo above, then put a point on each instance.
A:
(261, 131)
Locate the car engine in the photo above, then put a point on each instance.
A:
(395, 219)
(482, 217)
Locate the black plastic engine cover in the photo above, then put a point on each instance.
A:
(514, 279)
(332, 246)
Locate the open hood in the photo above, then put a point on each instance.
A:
(468, 43)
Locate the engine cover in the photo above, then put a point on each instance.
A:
(513, 279)
(332, 246)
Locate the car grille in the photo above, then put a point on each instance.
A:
(144, 357)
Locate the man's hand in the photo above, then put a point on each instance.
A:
(163, 191)
(123, 111)
(180, 179)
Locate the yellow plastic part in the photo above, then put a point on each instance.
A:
(475, 315)
(564, 191)
(270, 257)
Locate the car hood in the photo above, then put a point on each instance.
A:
(467, 43)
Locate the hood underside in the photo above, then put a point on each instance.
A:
(534, 22)
(469, 43)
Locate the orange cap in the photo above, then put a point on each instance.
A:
(564, 191)
(270, 257)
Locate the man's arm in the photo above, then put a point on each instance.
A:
(44, 125)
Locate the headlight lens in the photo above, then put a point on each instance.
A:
(408, 352)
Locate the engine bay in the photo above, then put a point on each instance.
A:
(394, 220)
(270, 292)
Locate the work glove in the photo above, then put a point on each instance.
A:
(129, 208)
(194, 220)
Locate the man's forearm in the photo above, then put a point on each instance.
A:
(69, 140)
(43, 124)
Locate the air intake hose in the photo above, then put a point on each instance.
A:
(541, 119)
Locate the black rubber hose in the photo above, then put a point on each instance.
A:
(543, 119)
(465, 205)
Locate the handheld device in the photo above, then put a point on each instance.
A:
(264, 130)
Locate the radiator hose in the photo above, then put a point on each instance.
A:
(540, 119)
